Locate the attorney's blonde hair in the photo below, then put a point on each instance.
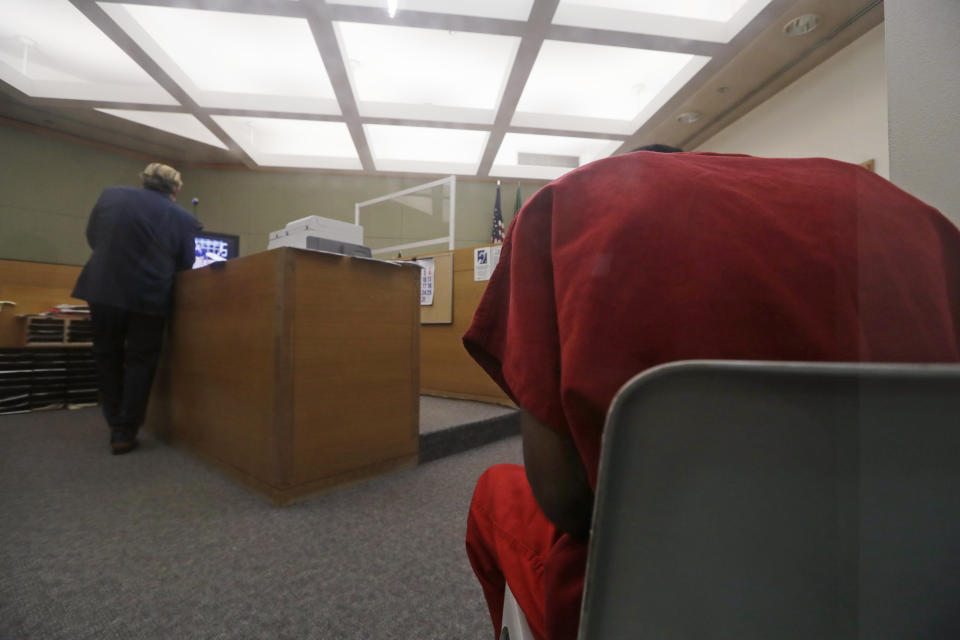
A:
(160, 177)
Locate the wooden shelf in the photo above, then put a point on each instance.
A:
(37, 379)
(60, 330)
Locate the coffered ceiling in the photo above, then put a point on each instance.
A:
(486, 88)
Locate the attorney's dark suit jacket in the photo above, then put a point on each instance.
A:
(140, 239)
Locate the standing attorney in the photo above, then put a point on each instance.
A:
(140, 239)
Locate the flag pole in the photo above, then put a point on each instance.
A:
(496, 235)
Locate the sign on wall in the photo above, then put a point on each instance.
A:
(426, 281)
(485, 260)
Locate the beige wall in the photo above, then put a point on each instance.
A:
(923, 50)
(252, 204)
(48, 185)
(838, 110)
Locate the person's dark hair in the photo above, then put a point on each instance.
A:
(659, 148)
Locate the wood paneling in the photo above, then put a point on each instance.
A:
(215, 388)
(355, 327)
(294, 370)
(35, 287)
(446, 368)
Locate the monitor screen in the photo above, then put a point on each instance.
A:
(214, 247)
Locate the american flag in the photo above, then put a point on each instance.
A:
(497, 234)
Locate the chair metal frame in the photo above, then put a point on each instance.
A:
(514, 625)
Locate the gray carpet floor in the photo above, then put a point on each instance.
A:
(157, 545)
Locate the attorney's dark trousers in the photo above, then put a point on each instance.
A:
(126, 347)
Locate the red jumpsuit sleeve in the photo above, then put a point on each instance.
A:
(514, 334)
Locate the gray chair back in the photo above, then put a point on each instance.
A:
(748, 500)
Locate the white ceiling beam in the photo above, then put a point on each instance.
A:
(283, 8)
(102, 21)
(321, 25)
(633, 40)
(101, 104)
(536, 30)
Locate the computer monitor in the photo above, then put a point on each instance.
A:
(212, 247)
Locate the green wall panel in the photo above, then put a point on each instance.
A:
(48, 185)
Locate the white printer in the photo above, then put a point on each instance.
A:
(310, 232)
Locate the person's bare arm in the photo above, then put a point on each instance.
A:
(556, 476)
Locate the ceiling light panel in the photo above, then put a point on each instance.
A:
(179, 124)
(507, 163)
(503, 9)
(233, 60)
(599, 88)
(426, 149)
(48, 49)
(709, 20)
(278, 142)
(426, 74)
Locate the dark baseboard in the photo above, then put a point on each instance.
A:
(464, 437)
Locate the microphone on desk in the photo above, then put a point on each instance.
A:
(194, 202)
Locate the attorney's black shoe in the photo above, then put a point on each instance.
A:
(120, 447)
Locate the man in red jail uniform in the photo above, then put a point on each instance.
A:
(646, 258)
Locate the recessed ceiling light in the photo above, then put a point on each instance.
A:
(708, 20)
(688, 117)
(417, 73)
(526, 155)
(180, 124)
(547, 160)
(279, 142)
(425, 149)
(233, 60)
(553, 96)
(502, 9)
(51, 50)
(802, 25)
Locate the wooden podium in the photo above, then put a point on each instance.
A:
(293, 370)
